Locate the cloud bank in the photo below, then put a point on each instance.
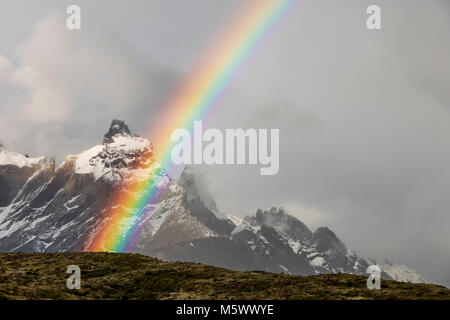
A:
(62, 88)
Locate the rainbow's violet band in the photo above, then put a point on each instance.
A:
(192, 101)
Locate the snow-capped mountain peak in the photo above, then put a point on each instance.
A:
(121, 155)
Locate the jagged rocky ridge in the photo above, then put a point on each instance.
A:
(49, 208)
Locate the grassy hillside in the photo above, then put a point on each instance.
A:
(133, 276)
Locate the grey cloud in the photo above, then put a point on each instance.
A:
(73, 84)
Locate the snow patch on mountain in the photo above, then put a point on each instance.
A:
(236, 220)
(85, 163)
(17, 159)
(317, 261)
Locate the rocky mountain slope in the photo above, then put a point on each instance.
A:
(15, 169)
(49, 208)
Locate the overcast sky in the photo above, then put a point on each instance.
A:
(364, 116)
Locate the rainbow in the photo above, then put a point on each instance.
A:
(192, 100)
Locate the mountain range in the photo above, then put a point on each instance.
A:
(46, 207)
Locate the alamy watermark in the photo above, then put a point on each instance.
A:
(374, 19)
(236, 146)
(374, 280)
(73, 22)
(74, 280)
